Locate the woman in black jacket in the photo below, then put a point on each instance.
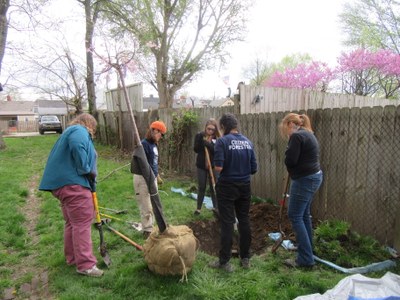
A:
(204, 144)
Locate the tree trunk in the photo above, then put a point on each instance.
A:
(2, 143)
(90, 23)
(166, 97)
(4, 5)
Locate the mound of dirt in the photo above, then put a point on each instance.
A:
(264, 219)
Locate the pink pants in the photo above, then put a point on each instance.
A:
(77, 207)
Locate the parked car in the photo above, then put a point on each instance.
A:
(50, 123)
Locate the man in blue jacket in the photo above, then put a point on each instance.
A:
(235, 160)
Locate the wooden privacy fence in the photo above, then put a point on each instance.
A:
(359, 157)
(360, 160)
(259, 99)
(18, 126)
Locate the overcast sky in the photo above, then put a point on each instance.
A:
(275, 29)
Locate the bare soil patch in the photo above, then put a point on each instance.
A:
(264, 219)
(38, 287)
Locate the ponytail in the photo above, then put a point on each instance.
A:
(305, 122)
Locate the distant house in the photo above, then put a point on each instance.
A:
(150, 103)
(17, 111)
(23, 115)
(221, 102)
(50, 107)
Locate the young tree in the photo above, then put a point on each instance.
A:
(182, 38)
(372, 24)
(257, 71)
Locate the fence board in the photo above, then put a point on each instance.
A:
(394, 223)
(373, 159)
(352, 203)
(333, 196)
(274, 163)
(325, 140)
(388, 200)
(340, 159)
(317, 121)
(362, 170)
(264, 155)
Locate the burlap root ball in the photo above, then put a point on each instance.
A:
(172, 252)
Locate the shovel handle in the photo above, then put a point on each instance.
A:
(96, 207)
(209, 167)
(137, 246)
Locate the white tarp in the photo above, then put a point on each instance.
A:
(357, 287)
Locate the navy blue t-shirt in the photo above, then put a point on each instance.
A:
(150, 148)
(235, 154)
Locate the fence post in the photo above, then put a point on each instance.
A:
(396, 243)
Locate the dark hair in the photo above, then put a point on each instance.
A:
(228, 122)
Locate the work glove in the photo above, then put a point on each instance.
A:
(92, 181)
(159, 180)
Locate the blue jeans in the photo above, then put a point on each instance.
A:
(301, 194)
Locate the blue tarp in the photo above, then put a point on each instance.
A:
(207, 200)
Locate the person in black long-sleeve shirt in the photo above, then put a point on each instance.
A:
(202, 141)
(302, 164)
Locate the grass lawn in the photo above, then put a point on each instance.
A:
(31, 240)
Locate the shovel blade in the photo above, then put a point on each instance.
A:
(277, 244)
(106, 257)
(103, 249)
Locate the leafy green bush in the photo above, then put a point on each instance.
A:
(334, 241)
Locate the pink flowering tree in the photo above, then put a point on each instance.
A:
(388, 64)
(357, 73)
(313, 76)
(363, 72)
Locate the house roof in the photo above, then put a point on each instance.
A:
(221, 102)
(51, 107)
(151, 102)
(50, 103)
(17, 108)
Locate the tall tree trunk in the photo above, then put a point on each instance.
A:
(91, 17)
(4, 5)
(2, 143)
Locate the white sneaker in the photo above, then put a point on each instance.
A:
(92, 272)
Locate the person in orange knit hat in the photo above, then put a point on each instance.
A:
(155, 132)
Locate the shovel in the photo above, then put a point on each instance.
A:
(212, 180)
(115, 211)
(115, 218)
(124, 237)
(98, 224)
(282, 205)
